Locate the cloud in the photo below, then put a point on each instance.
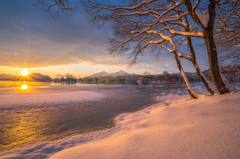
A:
(29, 37)
(37, 37)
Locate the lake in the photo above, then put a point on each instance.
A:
(25, 124)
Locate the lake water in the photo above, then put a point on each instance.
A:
(22, 125)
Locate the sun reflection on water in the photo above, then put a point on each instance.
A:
(24, 86)
(20, 87)
(21, 126)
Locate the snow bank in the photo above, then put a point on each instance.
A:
(205, 128)
(13, 100)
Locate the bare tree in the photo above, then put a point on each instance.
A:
(56, 6)
(68, 75)
(140, 23)
(206, 24)
(227, 32)
(146, 73)
(163, 19)
(59, 76)
(96, 80)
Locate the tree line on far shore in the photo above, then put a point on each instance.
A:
(232, 73)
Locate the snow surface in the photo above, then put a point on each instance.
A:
(13, 100)
(178, 127)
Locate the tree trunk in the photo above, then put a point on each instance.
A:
(190, 90)
(210, 44)
(212, 51)
(210, 88)
(213, 61)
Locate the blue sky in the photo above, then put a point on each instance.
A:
(31, 38)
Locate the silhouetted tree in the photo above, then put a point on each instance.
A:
(96, 80)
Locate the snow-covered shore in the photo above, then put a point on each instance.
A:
(178, 127)
(205, 128)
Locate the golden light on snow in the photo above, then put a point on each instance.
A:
(24, 72)
(24, 86)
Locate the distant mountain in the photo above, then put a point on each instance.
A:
(6, 76)
(231, 72)
(31, 77)
(103, 73)
(224, 69)
(40, 77)
(120, 73)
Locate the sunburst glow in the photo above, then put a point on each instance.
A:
(24, 72)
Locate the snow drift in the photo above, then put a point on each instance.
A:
(205, 128)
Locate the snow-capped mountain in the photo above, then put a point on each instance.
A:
(114, 75)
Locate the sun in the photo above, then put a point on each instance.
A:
(24, 72)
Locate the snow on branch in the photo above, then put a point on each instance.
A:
(185, 56)
(186, 33)
(127, 8)
(204, 18)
